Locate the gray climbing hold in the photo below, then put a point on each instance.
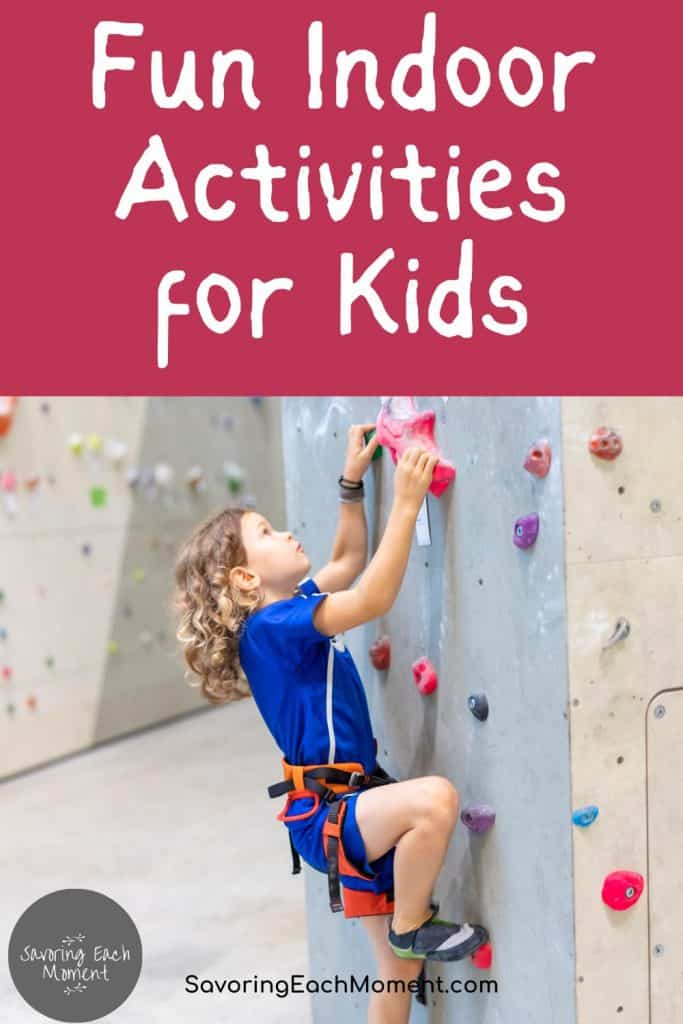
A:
(620, 632)
(478, 705)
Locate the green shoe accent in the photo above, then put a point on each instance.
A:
(406, 954)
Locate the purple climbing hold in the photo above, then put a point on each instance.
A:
(526, 531)
(478, 817)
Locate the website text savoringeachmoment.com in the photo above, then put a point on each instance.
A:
(298, 984)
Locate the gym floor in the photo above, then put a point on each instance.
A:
(175, 824)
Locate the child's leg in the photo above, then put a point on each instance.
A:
(389, 1007)
(418, 818)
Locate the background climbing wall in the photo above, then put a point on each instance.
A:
(491, 617)
(625, 559)
(87, 650)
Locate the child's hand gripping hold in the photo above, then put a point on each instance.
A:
(413, 477)
(376, 590)
(358, 454)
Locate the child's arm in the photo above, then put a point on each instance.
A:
(376, 591)
(350, 546)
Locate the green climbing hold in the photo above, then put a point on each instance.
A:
(50, 661)
(377, 454)
(234, 476)
(139, 575)
(98, 497)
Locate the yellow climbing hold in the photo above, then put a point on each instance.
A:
(76, 443)
(94, 442)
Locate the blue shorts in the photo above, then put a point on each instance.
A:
(370, 888)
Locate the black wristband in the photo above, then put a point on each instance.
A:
(349, 483)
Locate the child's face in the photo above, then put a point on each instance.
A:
(274, 555)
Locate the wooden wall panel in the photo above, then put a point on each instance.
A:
(623, 559)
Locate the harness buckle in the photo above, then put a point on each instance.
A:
(357, 779)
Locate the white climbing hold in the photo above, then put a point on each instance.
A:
(115, 451)
(164, 474)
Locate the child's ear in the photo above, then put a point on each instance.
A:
(239, 576)
(236, 576)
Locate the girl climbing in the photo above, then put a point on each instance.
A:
(248, 608)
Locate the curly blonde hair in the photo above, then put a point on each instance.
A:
(210, 610)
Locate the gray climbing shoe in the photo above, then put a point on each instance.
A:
(438, 940)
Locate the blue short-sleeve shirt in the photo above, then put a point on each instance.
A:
(306, 684)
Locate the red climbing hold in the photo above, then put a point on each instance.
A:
(6, 673)
(426, 678)
(380, 653)
(606, 443)
(400, 425)
(622, 889)
(483, 957)
(31, 702)
(539, 458)
(7, 406)
(8, 482)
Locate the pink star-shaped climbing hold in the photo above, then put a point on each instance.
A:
(400, 425)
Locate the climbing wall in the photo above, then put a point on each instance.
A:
(95, 496)
(491, 617)
(625, 561)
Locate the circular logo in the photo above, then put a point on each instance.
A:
(75, 955)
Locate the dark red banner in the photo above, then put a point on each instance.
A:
(351, 198)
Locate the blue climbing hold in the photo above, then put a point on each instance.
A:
(585, 816)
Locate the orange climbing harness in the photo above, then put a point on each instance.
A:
(328, 782)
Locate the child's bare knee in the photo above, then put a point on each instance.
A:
(397, 969)
(442, 797)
